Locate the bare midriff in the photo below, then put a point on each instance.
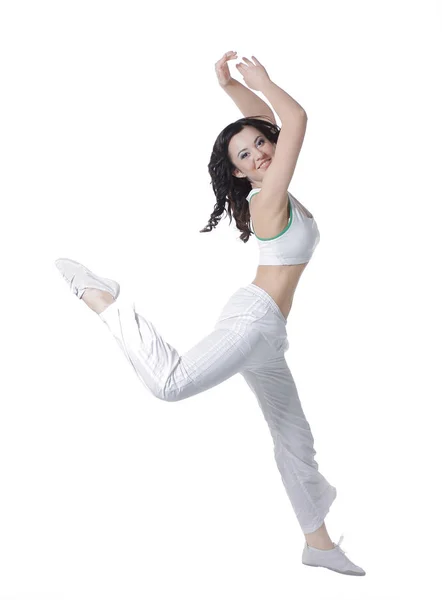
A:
(280, 282)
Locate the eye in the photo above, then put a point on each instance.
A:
(259, 141)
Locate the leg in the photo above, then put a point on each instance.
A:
(97, 300)
(251, 342)
(319, 539)
(166, 373)
(309, 492)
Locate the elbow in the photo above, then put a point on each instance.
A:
(295, 117)
(299, 113)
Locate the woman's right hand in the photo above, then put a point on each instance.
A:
(222, 68)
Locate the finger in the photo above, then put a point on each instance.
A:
(257, 61)
(248, 61)
(223, 58)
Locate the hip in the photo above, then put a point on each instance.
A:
(252, 313)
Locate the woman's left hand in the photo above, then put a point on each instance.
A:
(254, 75)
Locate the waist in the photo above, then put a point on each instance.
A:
(280, 282)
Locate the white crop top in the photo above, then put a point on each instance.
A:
(296, 242)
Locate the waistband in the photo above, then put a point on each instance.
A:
(267, 299)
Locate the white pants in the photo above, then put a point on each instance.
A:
(249, 338)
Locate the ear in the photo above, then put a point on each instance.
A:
(237, 173)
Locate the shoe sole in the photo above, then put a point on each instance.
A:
(335, 570)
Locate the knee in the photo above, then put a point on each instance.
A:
(171, 391)
(168, 394)
(163, 395)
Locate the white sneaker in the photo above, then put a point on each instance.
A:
(333, 559)
(80, 278)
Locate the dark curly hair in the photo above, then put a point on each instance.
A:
(227, 188)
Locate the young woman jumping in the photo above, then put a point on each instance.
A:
(251, 167)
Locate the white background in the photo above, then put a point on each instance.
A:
(109, 112)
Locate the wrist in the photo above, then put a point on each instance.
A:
(266, 85)
(229, 84)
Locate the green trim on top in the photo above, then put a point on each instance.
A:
(283, 231)
(253, 192)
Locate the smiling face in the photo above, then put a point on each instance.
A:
(248, 150)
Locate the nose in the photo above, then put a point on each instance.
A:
(259, 157)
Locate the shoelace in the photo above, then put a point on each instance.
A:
(339, 544)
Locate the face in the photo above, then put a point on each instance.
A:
(248, 150)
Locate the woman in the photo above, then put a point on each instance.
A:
(252, 159)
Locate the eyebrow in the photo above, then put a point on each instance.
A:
(253, 142)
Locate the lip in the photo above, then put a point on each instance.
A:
(265, 163)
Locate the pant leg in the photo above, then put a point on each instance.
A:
(172, 376)
(310, 494)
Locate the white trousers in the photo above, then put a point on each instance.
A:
(249, 338)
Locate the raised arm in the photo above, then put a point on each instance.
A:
(249, 103)
(277, 177)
